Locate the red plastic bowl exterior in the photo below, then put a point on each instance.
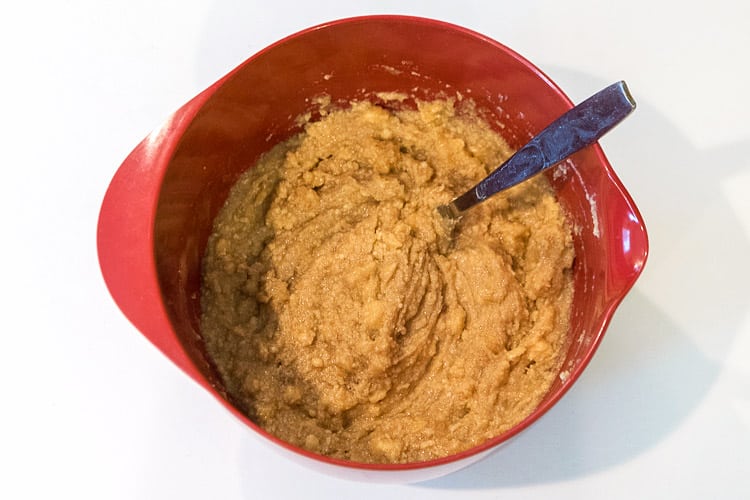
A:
(157, 213)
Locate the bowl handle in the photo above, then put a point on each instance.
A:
(125, 233)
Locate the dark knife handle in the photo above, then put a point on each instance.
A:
(580, 127)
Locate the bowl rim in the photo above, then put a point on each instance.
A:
(169, 136)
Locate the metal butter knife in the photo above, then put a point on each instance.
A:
(580, 127)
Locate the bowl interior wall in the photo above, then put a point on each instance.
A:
(256, 108)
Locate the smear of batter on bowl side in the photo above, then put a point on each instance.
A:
(342, 316)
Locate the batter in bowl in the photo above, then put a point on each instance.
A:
(346, 318)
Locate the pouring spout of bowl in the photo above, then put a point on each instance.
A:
(628, 249)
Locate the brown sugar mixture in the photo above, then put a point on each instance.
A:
(344, 317)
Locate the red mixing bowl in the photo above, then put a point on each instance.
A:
(157, 213)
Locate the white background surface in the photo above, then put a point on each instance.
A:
(92, 410)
